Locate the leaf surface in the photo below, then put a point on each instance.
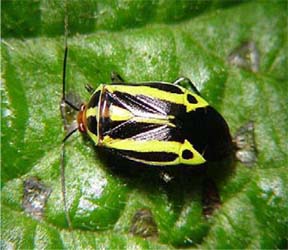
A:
(142, 41)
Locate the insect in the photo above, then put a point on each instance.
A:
(154, 123)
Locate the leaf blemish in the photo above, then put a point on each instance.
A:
(245, 56)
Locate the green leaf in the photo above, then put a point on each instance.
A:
(142, 41)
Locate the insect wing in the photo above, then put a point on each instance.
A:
(143, 128)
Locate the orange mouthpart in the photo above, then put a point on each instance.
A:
(81, 119)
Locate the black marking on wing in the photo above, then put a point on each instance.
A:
(141, 131)
(142, 105)
(148, 156)
(165, 87)
(191, 99)
(208, 132)
(168, 87)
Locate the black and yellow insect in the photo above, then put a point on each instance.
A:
(151, 123)
(155, 123)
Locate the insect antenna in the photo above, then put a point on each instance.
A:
(64, 101)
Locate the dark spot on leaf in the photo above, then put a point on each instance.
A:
(143, 224)
(245, 56)
(35, 197)
(244, 141)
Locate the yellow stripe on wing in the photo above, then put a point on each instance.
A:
(156, 146)
(175, 98)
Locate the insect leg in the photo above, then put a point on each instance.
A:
(116, 78)
(89, 88)
(182, 80)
